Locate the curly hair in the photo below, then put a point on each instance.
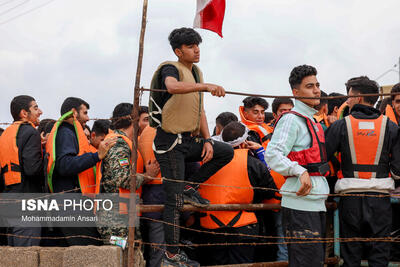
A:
(299, 73)
(251, 101)
(183, 36)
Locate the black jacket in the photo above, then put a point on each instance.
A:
(259, 176)
(31, 160)
(337, 141)
(68, 163)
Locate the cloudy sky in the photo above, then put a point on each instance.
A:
(52, 49)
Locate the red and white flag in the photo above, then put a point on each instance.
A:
(210, 15)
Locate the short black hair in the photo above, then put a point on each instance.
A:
(72, 102)
(335, 102)
(143, 109)
(395, 89)
(21, 102)
(233, 131)
(1, 131)
(350, 81)
(322, 102)
(299, 73)
(279, 101)
(251, 101)
(121, 116)
(101, 127)
(183, 36)
(268, 117)
(364, 85)
(49, 126)
(225, 118)
(42, 125)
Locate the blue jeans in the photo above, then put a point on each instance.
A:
(282, 254)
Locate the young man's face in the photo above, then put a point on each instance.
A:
(82, 115)
(255, 114)
(96, 139)
(309, 87)
(143, 121)
(281, 109)
(188, 53)
(34, 113)
(351, 101)
(396, 105)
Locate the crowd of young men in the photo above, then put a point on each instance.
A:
(307, 149)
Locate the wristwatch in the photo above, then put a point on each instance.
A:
(209, 140)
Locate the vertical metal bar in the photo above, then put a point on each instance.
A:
(135, 118)
(336, 244)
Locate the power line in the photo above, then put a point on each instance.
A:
(26, 12)
(5, 3)
(14, 7)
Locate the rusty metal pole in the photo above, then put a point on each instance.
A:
(135, 118)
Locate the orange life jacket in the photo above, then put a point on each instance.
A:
(232, 175)
(389, 112)
(92, 149)
(124, 194)
(87, 177)
(9, 154)
(145, 148)
(263, 130)
(343, 111)
(322, 117)
(279, 180)
(313, 159)
(366, 139)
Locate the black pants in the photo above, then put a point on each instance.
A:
(235, 254)
(153, 232)
(22, 236)
(304, 224)
(172, 165)
(365, 217)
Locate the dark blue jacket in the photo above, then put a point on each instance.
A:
(68, 163)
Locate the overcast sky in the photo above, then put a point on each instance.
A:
(89, 48)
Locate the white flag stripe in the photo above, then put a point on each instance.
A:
(201, 4)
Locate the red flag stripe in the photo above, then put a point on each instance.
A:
(210, 15)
